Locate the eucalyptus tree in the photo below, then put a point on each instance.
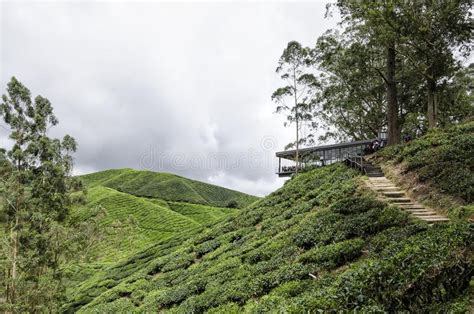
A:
(36, 179)
(294, 99)
(431, 33)
(351, 96)
(377, 23)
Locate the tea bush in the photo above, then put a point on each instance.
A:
(443, 157)
(365, 256)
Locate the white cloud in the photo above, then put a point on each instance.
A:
(181, 79)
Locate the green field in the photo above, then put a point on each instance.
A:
(322, 242)
(128, 223)
(167, 187)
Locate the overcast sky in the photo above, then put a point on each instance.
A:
(176, 87)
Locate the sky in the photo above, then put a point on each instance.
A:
(179, 87)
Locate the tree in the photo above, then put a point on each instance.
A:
(35, 183)
(351, 95)
(431, 31)
(293, 67)
(377, 23)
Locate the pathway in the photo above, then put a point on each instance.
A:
(394, 195)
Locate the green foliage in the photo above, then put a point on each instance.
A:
(334, 255)
(365, 255)
(167, 187)
(35, 189)
(130, 223)
(294, 99)
(443, 158)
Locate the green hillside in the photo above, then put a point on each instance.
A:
(168, 187)
(129, 223)
(441, 164)
(321, 242)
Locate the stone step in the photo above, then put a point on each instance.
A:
(397, 197)
(411, 207)
(419, 211)
(396, 200)
(436, 219)
(385, 187)
(393, 193)
(425, 214)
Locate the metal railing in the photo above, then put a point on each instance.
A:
(356, 161)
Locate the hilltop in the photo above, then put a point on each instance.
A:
(168, 187)
(321, 242)
(122, 214)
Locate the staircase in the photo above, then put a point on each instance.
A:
(394, 195)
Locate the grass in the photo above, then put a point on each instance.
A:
(363, 255)
(167, 187)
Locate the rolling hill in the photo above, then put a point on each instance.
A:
(121, 216)
(168, 187)
(321, 242)
(131, 210)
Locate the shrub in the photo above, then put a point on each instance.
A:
(334, 255)
(232, 204)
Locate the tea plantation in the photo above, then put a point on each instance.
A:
(167, 187)
(129, 223)
(443, 160)
(322, 242)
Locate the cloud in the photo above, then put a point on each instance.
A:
(182, 88)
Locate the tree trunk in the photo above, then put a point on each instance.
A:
(432, 110)
(392, 101)
(297, 141)
(13, 271)
(297, 122)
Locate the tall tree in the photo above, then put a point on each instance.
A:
(431, 32)
(294, 99)
(35, 183)
(351, 97)
(377, 23)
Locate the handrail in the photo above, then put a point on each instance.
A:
(356, 161)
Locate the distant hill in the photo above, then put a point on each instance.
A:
(135, 209)
(168, 187)
(323, 242)
(129, 223)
